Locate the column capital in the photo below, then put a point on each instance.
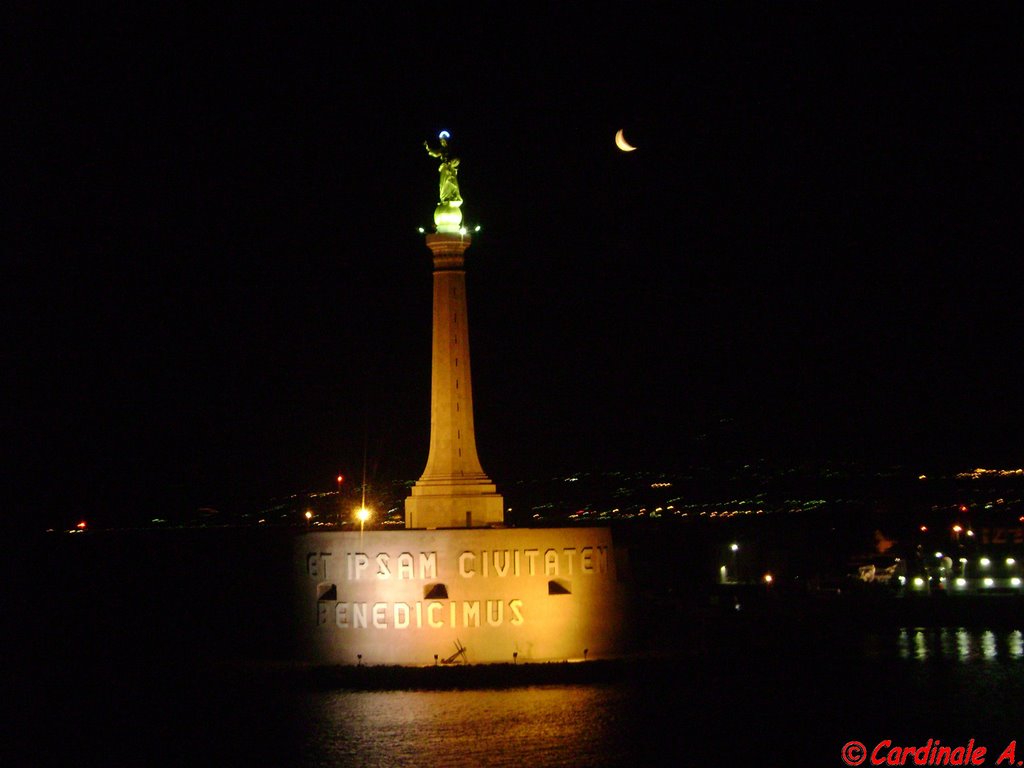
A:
(448, 249)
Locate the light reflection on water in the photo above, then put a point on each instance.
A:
(547, 725)
(958, 644)
(946, 683)
(736, 701)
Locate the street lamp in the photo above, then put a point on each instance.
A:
(735, 571)
(362, 514)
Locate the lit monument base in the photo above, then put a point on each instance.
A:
(463, 596)
(454, 506)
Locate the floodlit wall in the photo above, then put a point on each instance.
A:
(402, 597)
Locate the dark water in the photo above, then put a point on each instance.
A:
(722, 706)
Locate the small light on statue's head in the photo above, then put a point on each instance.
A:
(444, 135)
(421, 230)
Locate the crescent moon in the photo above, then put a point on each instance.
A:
(621, 143)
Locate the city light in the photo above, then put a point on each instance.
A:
(985, 562)
(989, 582)
(979, 473)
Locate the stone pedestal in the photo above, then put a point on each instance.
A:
(470, 596)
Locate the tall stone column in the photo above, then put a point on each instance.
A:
(453, 491)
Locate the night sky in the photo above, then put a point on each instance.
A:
(214, 292)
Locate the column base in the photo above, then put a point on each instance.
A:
(471, 510)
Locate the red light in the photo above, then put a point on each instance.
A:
(924, 528)
(81, 525)
(341, 479)
(963, 507)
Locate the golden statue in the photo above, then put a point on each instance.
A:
(449, 170)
